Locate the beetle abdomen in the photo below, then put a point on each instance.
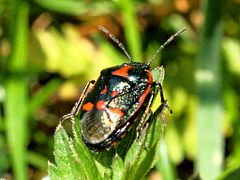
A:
(96, 125)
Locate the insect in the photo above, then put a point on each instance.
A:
(119, 98)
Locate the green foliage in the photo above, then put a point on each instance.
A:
(50, 49)
(208, 81)
(73, 7)
(16, 87)
(230, 174)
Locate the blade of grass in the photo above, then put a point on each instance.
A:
(37, 160)
(76, 8)
(164, 165)
(230, 174)
(132, 33)
(208, 81)
(42, 95)
(16, 88)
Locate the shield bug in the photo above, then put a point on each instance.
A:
(119, 98)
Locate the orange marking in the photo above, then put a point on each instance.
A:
(101, 105)
(150, 78)
(88, 106)
(144, 95)
(122, 71)
(117, 112)
(114, 93)
(104, 90)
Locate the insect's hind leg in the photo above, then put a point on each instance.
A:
(160, 110)
(75, 110)
(143, 124)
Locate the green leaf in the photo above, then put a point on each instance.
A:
(131, 29)
(53, 171)
(164, 165)
(66, 160)
(42, 95)
(133, 156)
(208, 83)
(117, 168)
(16, 103)
(158, 74)
(148, 154)
(37, 160)
(77, 8)
(230, 174)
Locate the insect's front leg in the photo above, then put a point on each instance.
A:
(76, 108)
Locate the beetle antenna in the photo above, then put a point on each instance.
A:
(166, 43)
(103, 29)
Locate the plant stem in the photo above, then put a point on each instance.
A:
(16, 88)
(208, 82)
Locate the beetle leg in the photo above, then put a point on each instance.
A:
(144, 125)
(147, 112)
(161, 109)
(159, 112)
(163, 101)
(75, 110)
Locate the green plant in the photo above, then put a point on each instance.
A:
(209, 84)
(16, 89)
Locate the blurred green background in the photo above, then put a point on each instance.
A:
(50, 49)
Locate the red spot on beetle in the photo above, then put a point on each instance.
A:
(122, 71)
(150, 78)
(144, 95)
(104, 90)
(115, 113)
(101, 105)
(114, 93)
(88, 106)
